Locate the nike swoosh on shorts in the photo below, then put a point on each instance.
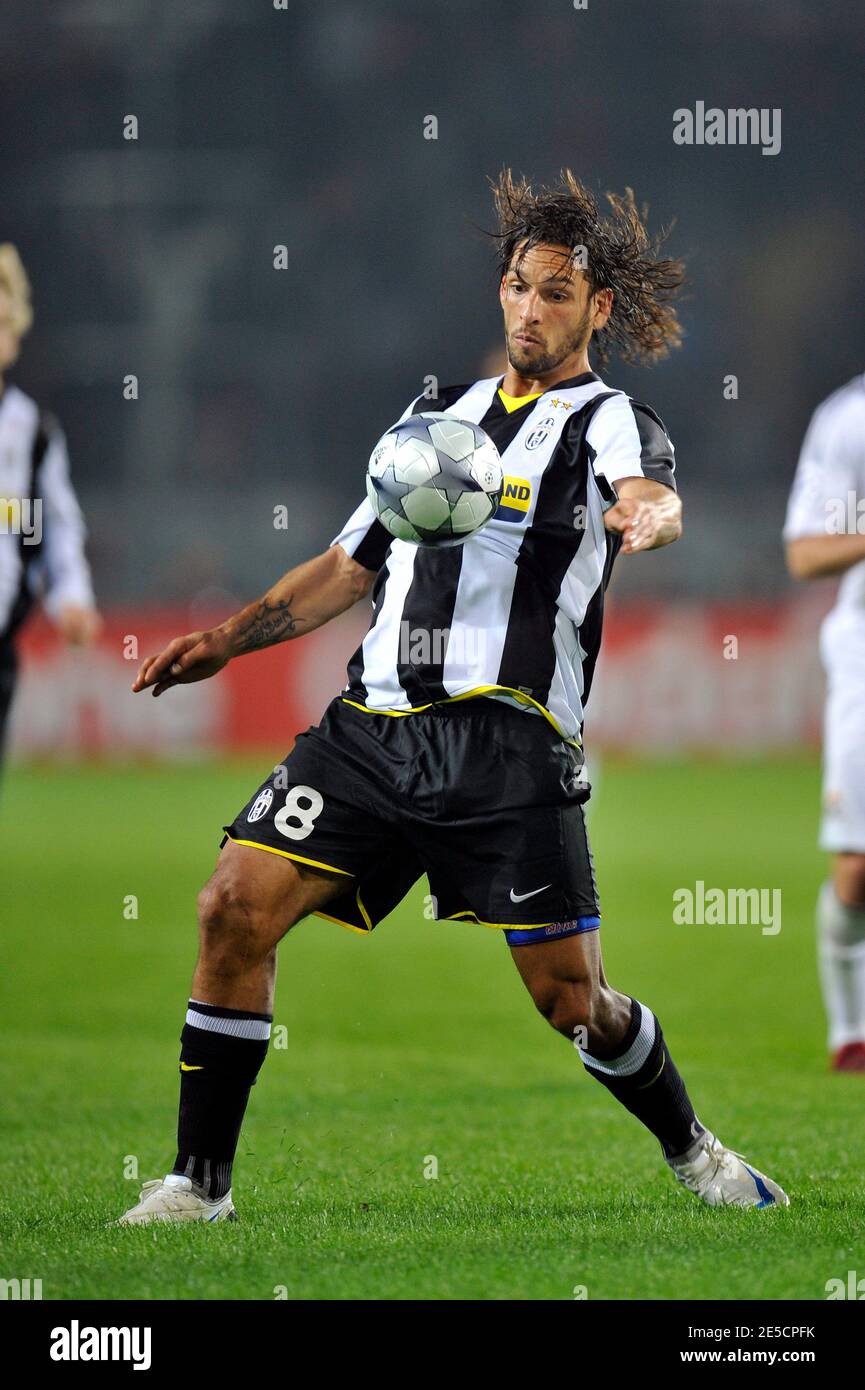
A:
(521, 897)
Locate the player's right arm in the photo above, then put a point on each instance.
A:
(305, 598)
(829, 472)
(818, 557)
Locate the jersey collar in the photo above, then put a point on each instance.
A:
(582, 380)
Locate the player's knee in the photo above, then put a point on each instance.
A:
(234, 932)
(849, 877)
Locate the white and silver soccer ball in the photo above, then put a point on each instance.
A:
(434, 479)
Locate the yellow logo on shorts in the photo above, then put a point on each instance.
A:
(516, 500)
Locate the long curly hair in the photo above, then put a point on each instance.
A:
(619, 256)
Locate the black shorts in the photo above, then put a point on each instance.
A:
(486, 799)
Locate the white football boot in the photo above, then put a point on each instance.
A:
(722, 1177)
(173, 1198)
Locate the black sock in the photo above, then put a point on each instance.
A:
(642, 1075)
(221, 1054)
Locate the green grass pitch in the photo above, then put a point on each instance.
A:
(416, 1043)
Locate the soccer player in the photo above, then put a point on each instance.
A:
(467, 768)
(825, 536)
(41, 527)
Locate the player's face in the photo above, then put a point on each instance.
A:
(549, 310)
(10, 341)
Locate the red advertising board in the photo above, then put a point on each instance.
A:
(736, 678)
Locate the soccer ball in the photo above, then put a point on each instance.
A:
(434, 479)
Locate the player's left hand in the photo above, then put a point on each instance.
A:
(78, 624)
(639, 523)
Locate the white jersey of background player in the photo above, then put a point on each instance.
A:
(825, 535)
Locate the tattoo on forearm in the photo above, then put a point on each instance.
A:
(269, 622)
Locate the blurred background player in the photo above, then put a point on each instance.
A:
(825, 536)
(41, 526)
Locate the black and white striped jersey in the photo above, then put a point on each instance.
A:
(515, 612)
(41, 527)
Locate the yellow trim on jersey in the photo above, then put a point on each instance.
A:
(316, 863)
(394, 713)
(287, 854)
(454, 917)
(340, 923)
(512, 403)
(363, 931)
(363, 912)
(499, 926)
(468, 695)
